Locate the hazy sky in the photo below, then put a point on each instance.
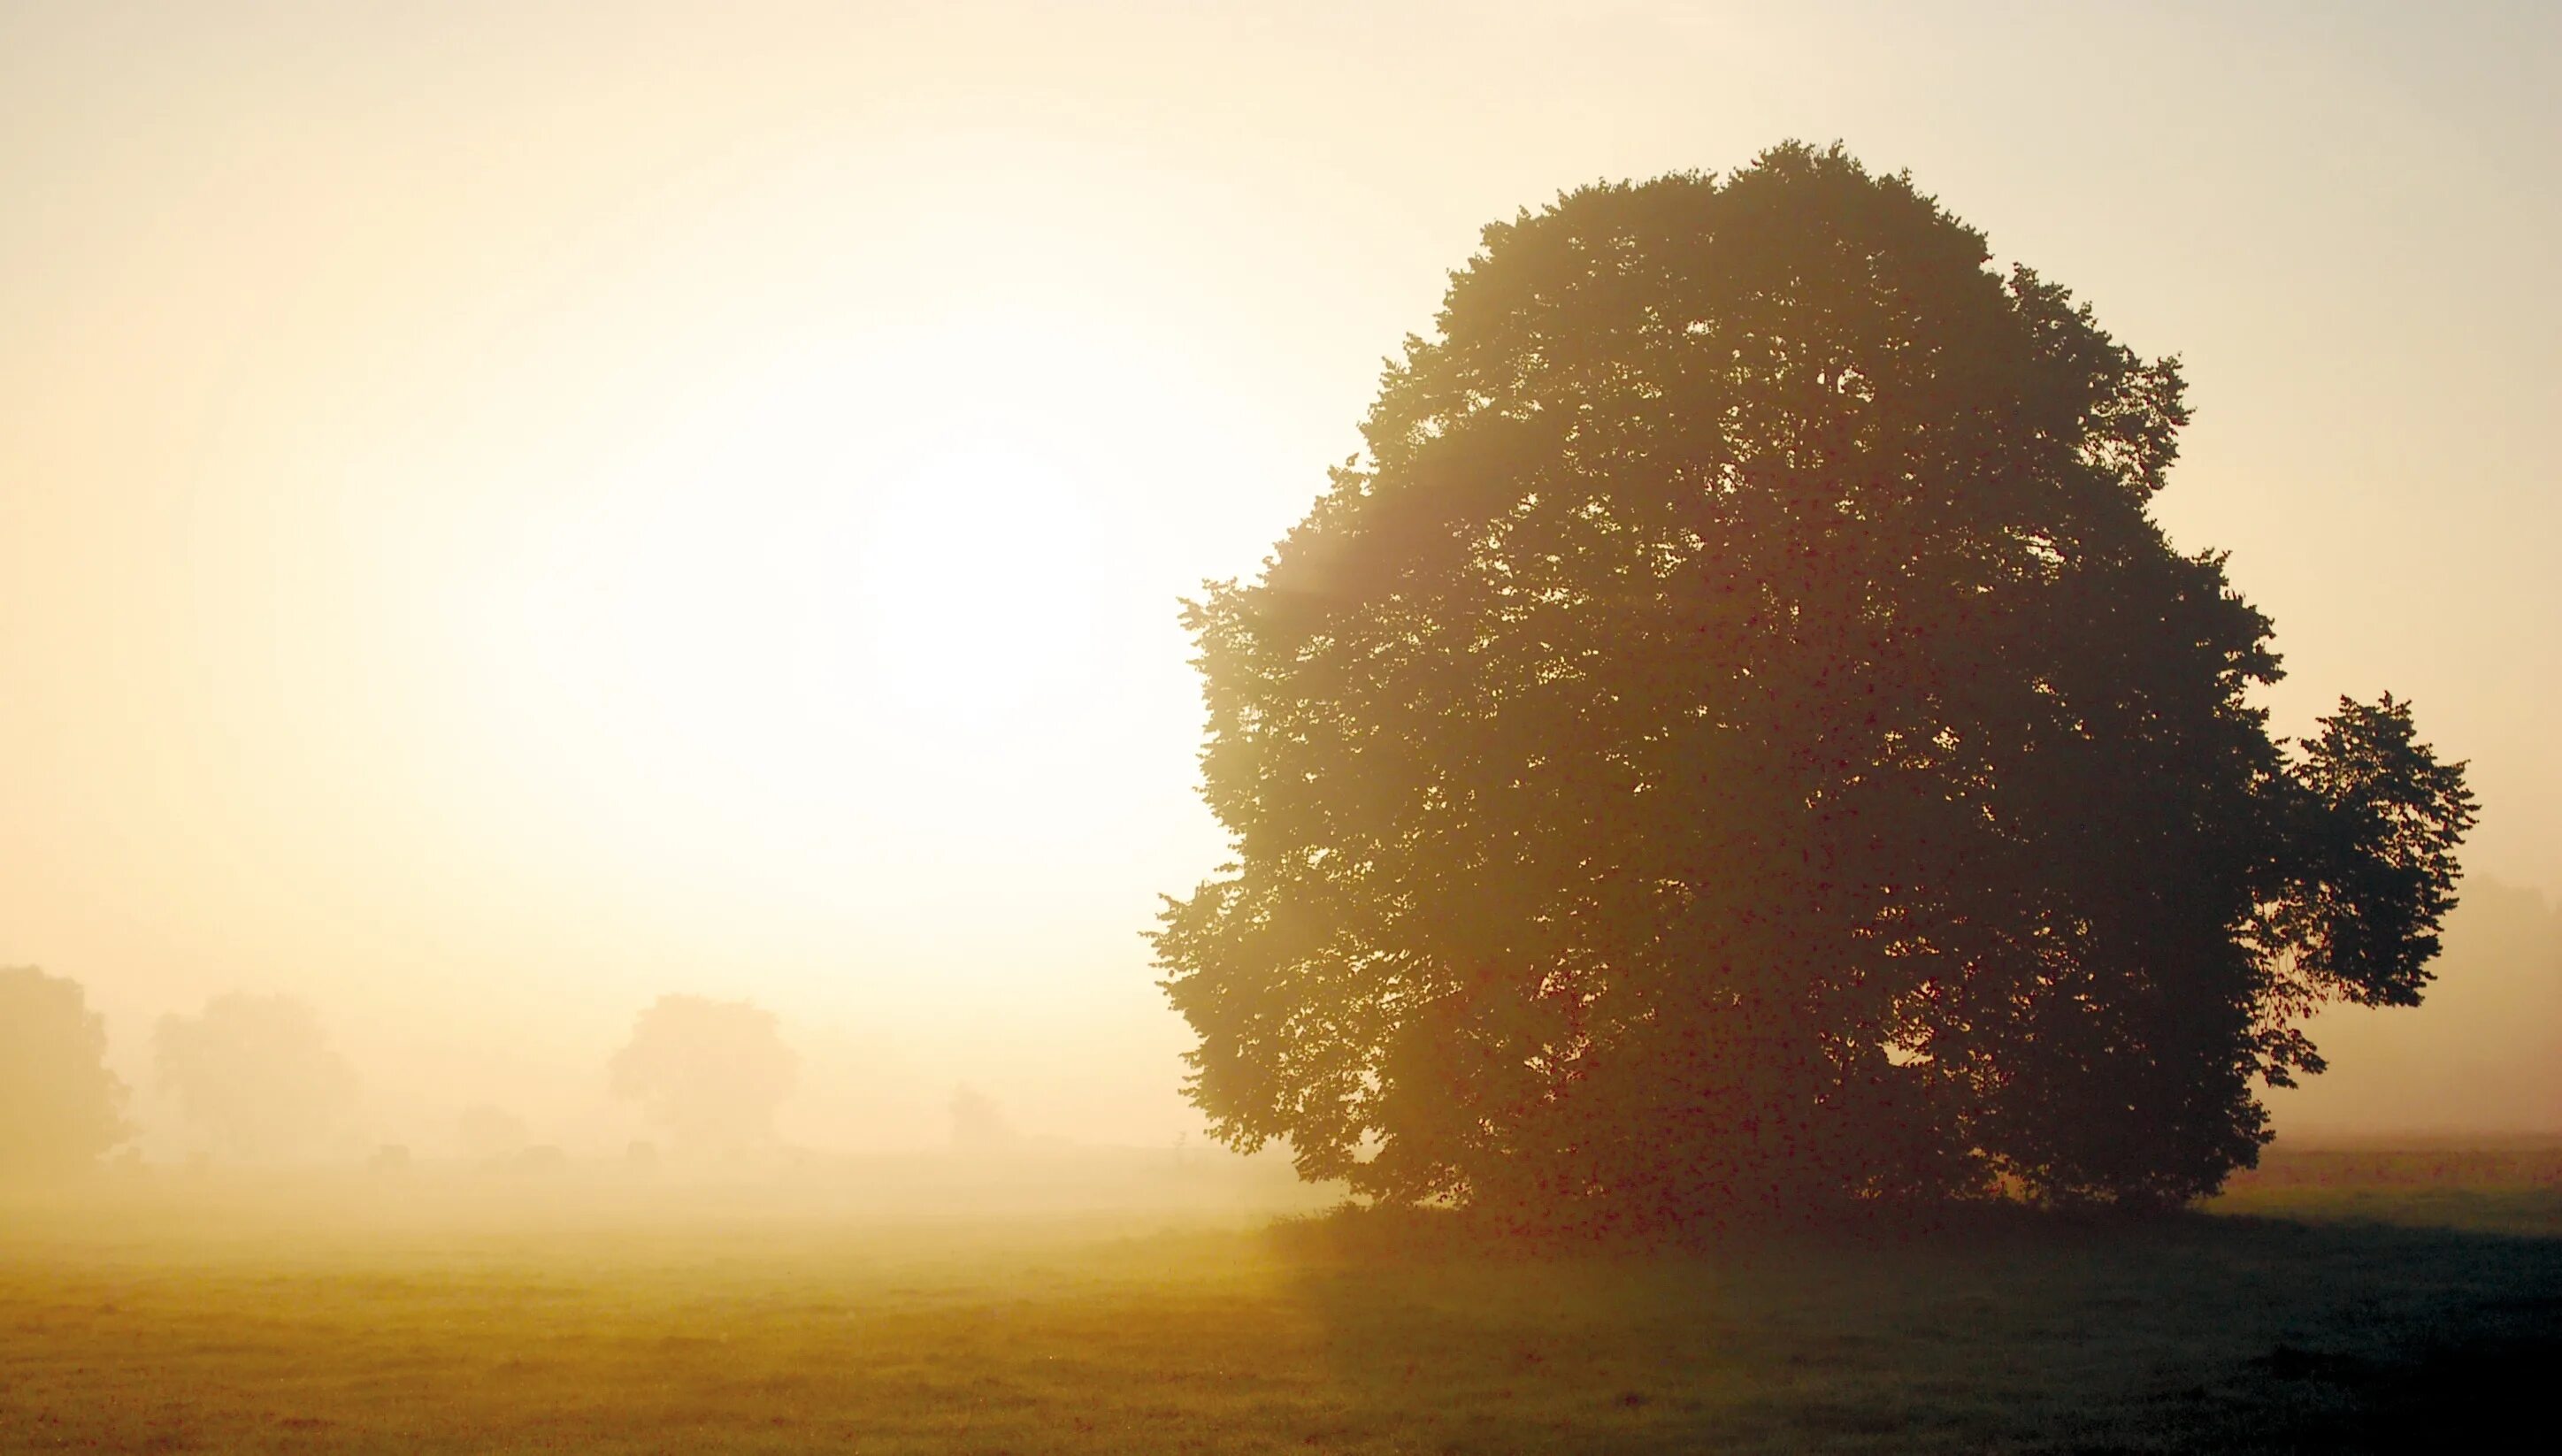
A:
(506, 511)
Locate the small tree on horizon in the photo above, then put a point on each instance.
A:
(979, 1125)
(1741, 741)
(60, 1105)
(255, 1072)
(490, 1133)
(710, 1073)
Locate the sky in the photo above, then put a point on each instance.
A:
(508, 510)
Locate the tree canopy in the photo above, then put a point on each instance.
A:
(1741, 739)
(60, 1105)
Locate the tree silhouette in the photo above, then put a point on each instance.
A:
(711, 1074)
(60, 1107)
(1742, 741)
(255, 1072)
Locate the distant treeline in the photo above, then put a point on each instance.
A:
(255, 1078)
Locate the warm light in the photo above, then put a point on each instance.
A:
(976, 584)
(806, 610)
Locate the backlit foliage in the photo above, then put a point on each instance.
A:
(1740, 740)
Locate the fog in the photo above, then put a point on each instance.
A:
(2481, 1055)
(505, 517)
(621, 622)
(250, 1084)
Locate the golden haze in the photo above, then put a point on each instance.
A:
(505, 513)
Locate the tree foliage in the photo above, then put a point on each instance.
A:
(255, 1072)
(60, 1105)
(1741, 739)
(711, 1074)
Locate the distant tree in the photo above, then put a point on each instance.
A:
(711, 1074)
(255, 1072)
(490, 1133)
(978, 1124)
(1742, 740)
(60, 1107)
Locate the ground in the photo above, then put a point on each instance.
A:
(2335, 1308)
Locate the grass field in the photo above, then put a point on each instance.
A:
(2308, 1315)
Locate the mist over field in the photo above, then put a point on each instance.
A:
(482, 500)
(1372, 727)
(2483, 1057)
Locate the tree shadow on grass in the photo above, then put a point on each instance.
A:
(2008, 1332)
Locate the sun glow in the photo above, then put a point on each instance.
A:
(821, 606)
(978, 584)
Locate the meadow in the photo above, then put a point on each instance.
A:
(2328, 1306)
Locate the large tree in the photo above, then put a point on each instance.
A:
(1741, 739)
(60, 1105)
